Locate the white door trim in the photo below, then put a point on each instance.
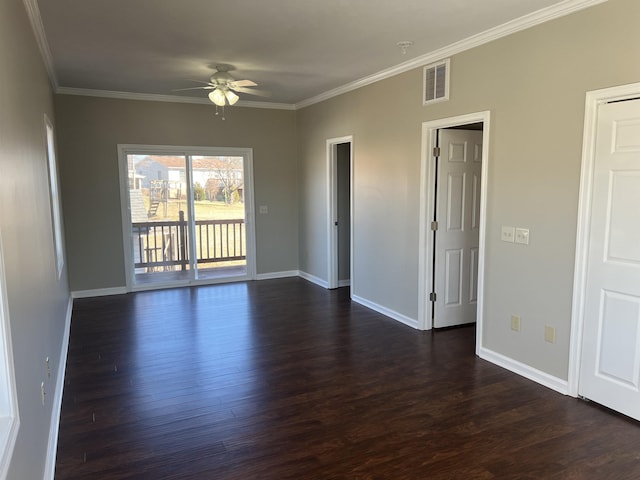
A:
(427, 187)
(593, 100)
(9, 409)
(332, 209)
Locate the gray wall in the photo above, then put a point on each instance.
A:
(534, 83)
(89, 130)
(37, 300)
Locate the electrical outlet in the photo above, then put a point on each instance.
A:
(515, 323)
(549, 334)
(42, 393)
(46, 362)
(263, 209)
(508, 234)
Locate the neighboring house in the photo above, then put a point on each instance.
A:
(213, 174)
(150, 169)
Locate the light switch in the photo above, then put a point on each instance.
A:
(522, 236)
(508, 234)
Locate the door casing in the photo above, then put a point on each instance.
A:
(593, 100)
(247, 153)
(427, 189)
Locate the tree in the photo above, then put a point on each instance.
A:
(198, 192)
(229, 175)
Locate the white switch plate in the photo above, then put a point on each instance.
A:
(515, 323)
(549, 334)
(522, 236)
(508, 234)
(263, 209)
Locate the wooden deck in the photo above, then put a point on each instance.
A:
(282, 379)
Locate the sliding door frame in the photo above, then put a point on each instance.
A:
(133, 149)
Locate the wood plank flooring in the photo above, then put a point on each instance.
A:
(282, 379)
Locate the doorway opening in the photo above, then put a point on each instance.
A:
(339, 208)
(187, 215)
(453, 221)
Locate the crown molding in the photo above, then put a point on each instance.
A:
(87, 92)
(275, 106)
(33, 12)
(522, 23)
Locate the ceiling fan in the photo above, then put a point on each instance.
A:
(224, 86)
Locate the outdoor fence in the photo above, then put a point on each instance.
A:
(164, 244)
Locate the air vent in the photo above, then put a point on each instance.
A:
(436, 82)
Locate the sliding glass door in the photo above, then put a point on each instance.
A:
(187, 217)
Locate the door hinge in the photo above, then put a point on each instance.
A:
(434, 226)
(432, 297)
(436, 151)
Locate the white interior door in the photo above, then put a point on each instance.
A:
(610, 364)
(457, 236)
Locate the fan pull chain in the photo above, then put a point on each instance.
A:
(218, 113)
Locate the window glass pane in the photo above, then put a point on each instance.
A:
(158, 204)
(220, 230)
(56, 220)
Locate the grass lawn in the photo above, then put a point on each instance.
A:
(205, 210)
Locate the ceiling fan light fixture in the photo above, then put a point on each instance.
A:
(231, 97)
(218, 97)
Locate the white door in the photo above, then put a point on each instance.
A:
(457, 235)
(610, 364)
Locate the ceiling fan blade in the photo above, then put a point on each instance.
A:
(242, 83)
(209, 87)
(204, 83)
(252, 91)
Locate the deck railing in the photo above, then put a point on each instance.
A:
(163, 244)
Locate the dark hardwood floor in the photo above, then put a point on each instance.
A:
(282, 379)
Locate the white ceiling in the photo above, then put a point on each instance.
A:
(299, 50)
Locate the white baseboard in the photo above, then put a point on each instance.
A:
(313, 279)
(99, 292)
(533, 374)
(411, 322)
(52, 448)
(274, 275)
(344, 283)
